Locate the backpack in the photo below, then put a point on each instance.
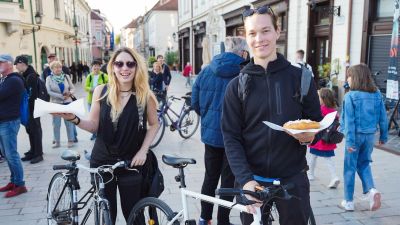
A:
(244, 85)
(24, 108)
(332, 135)
(42, 90)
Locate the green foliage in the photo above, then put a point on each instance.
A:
(151, 60)
(324, 70)
(118, 39)
(171, 58)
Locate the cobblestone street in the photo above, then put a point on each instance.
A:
(30, 208)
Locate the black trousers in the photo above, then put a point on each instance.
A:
(129, 184)
(295, 211)
(217, 166)
(34, 131)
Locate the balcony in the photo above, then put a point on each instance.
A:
(9, 11)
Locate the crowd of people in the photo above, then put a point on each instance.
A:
(233, 94)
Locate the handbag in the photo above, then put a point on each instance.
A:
(331, 135)
(153, 180)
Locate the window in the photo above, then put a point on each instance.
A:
(39, 6)
(57, 9)
(21, 4)
(385, 8)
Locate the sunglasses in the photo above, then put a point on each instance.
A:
(129, 64)
(260, 10)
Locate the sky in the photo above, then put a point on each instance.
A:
(121, 12)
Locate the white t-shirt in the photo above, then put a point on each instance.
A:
(95, 80)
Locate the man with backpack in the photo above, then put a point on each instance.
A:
(34, 128)
(269, 89)
(11, 89)
(94, 79)
(300, 61)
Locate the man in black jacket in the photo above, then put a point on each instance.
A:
(34, 128)
(257, 154)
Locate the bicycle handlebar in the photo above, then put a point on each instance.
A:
(105, 168)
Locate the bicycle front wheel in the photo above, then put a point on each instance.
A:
(188, 124)
(59, 201)
(160, 132)
(151, 211)
(102, 214)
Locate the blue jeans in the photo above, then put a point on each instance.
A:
(8, 145)
(359, 161)
(57, 126)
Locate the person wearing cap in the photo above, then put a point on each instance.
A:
(94, 79)
(34, 129)
(47, 71)
(11, 89)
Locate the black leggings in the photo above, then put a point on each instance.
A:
(129, 185)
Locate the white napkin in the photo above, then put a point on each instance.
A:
(325, 123)
(42, 108)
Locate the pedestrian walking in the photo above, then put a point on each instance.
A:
(11, 89)
(268, 89)
(60, 88)
(79, 71)
(322, 149)
(165, 71)
(363, 110)
(124, 115)
(207, 94)
(94, 79)
(188, 72)
(34, 128)
(74, 72)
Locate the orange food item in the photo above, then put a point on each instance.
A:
(301, 125)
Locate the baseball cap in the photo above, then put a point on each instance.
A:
(51, 55)
(21, 59)
(6, 58)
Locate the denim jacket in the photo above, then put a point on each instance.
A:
(362, 112)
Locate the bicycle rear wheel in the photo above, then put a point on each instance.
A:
(160, 132)
(61, 212)
(188, 124)
(102, 214)
(151, 211)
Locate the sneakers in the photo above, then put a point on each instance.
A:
(56, 145)
(204, 222)
(374, 197)
(348, 206)
(8, 187)
(70, 144)
(334, 183)
(17, 190)
(27, 157)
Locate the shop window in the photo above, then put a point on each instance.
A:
(384, 8)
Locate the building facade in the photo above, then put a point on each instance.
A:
(36, 29)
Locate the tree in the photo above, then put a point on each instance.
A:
(151, 60)
(171, 58)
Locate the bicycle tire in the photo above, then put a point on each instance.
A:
(64, 206)
(160, 132)
(188, 118)
(102, 214)
(159, 213)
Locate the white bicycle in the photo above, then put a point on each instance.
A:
(153, 211)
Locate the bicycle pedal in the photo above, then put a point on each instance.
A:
(172, 128)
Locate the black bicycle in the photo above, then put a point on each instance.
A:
(186, 122)
(266, 195)
(62, 196)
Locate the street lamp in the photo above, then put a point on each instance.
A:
(76, 35)
(174, 36)
(35, 28)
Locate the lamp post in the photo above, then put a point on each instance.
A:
(76, 35)
(36, 19)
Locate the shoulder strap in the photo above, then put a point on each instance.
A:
(306, 77)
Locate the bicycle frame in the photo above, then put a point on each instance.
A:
(166, 108)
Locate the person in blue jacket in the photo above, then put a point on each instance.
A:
(207, 98)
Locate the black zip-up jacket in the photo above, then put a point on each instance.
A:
(251, 147)
(31, 84)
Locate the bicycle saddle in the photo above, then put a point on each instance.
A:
(177, 162)
(70, 155)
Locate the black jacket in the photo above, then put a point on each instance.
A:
(11, 89)
(31, 84)
(251, 147)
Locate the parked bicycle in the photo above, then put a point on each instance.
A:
(62, 196)
(186, 121)
(153, 211)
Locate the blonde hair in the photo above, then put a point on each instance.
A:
(55, 64)
(140, 83)
(157, 64)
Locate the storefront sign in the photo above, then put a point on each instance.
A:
(392, 88)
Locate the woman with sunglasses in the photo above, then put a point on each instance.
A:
(120, 113)
(257, 154)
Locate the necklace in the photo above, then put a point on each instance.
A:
(126, 91)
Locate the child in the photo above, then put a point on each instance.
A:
(321, 148)
(363, 110)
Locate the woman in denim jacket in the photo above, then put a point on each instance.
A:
(363, 110)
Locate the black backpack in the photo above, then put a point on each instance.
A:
(245, 79)
(42, 91)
